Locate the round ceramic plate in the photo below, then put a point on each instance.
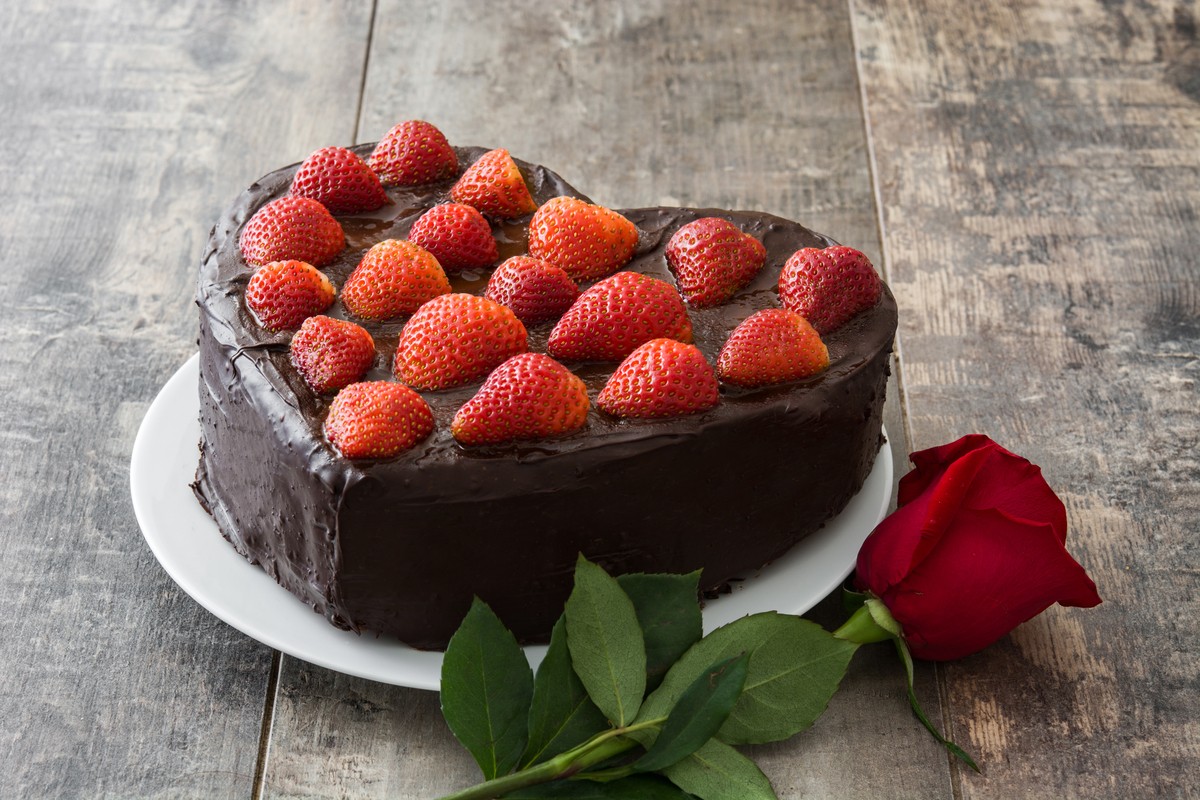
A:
(186, 542)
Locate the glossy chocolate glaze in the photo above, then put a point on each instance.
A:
(399, 547)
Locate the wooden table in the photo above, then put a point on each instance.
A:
(1025, 174)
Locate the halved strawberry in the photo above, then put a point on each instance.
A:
(413, 153)
(282, 294)
(394, 278)
(292, 228)
(828, 287)
(530, 396)
(535, 290)
(455, 339)
(772, 346)
(587, 241)
(339, 180)
(712, 259)
(331, 354)
(457, 235)
(494, 185)
(377, 419)
(613, 317)
(662, 378)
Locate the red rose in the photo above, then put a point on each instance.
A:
(975, 548)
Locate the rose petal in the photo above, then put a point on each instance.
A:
(989, 573)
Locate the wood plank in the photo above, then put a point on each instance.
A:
(1038, 166)
(126, 128)
(747, 106)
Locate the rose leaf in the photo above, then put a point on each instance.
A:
(605, 641)
(486, 690)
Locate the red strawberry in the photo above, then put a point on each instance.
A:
(394, 278)
(772, 346)
(377, 419)
(339, 180)
(283, 294)
(662, 378)
(828, 287)
(455, 339)
(530, 396)
(292, 228)
(494, 185)
(587, 241)
(331, 354)
(457, 235)
(712, 259)
(534, 290)
(413, 153)
(612, 318)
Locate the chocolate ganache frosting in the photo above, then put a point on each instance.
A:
(400, 546)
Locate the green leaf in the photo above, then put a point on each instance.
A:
(718, 772)
(668, 609)
(486, 689)
(605, 642)
(954, 749)
(698, 714)
(635, 787)
(795, 668)
(852, 600)
(562, 714)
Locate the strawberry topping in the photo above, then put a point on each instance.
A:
(828, 287)
(712, 259)
(457, 235)
(339, 180)
(331, 354)
(394, 278)
(772, 346)
(535, 290)
(613, 317)
(662, 378)
(282, 294)
(587, 241)
(292, 228)
(530, 396)
(377, 419)
(413, 153)
(455, 339)
(494, 185)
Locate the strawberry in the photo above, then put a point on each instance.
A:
(377, 419)
(457, 235)
(394, 278)
(455, 339)
(587, 241)
(494, 185)
(339, 180)
(772, 346)
(828, 287)
(662, 378)
(413, 153)
(612, 318)
(530, 396)
(282, 294)
(534, 290)
(712, 259)
(331, 354)
(292, 228)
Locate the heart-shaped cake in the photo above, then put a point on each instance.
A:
(431, 372)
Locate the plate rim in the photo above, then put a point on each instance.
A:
(172, 422)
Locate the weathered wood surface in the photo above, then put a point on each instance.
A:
(1038, 169)
(126, 128)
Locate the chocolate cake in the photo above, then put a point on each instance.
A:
(399, 546)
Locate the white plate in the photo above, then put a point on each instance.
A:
(186, 542)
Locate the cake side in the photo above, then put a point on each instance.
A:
(400, 546)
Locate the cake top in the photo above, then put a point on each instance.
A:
(642, 321)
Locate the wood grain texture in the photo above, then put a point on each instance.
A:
(754, 105)
(126, 128)
(1038, 167)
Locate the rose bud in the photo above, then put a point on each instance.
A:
(975, 548)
